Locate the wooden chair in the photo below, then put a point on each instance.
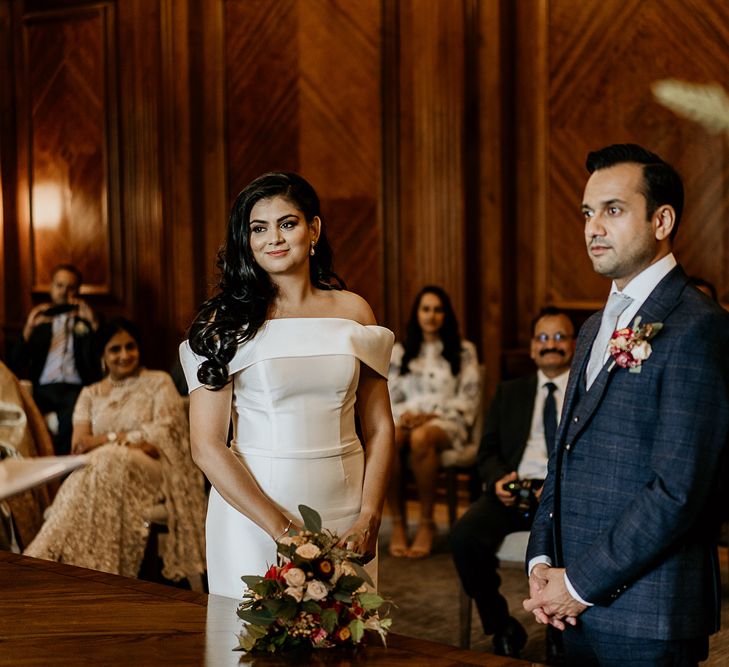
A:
(724, 543)
(454, 464)
(158, 530)
(8, 539)
(462, 462)
(50, 418)
(157, 535)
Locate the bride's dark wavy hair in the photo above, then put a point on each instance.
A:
(245, 291)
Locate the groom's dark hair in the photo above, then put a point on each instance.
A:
(661, 182)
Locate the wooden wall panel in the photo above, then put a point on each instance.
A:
(340, 145)
(122, 163)
(66, 117)
(602, 59)
(302, 85)
(262, 94)
(446, 139)
(432, 140)
(158, 194)
(208, 150)
(495, 265)
(7, 170)
(181, 235)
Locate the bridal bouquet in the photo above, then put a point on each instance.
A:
(316, 597)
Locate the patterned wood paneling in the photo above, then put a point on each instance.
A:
(70, 61)
(302, 83)
(262, 92)
(152, 169)
(603, 56)
(181, 235)
(432, 108)
(7, 170)
(493, 305)
(69, 185)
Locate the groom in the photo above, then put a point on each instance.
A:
(622, 553)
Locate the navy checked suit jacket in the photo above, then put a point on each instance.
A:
(631, 503)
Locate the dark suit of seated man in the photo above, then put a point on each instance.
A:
(56, 351)
(519, 430)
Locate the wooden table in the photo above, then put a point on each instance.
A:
(17, 475)
(52, 614)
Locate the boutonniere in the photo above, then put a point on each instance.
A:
(81, 328)
(630, 347)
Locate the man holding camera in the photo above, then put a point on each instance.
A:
(512, 463)
(56, 351)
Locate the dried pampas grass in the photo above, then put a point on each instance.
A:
(706, 104)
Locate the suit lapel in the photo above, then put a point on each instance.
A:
(656, 308)
(664, 299)
(577, 373)
(523, 423)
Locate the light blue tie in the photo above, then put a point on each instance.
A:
(616, 304)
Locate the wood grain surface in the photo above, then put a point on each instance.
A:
(57, 614)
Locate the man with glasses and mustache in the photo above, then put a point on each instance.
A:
(512, 463)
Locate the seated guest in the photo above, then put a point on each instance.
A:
(434, 390)
(56, 351)
(133, 426)
(22, 433)
(518, 436)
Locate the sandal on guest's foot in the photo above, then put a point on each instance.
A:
(423, 543)
(398, 541)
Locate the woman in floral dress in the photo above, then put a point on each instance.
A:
(434, 389)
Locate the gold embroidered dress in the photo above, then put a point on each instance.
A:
(100, 517)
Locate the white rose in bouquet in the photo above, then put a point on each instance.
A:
(296, 592)
(315, 590)
(295, 577)
(308, 551)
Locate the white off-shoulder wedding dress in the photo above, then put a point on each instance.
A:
(293, 417)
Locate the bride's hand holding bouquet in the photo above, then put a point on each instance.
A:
(317, 596)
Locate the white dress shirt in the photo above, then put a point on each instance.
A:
(60, 363)
(639, 289)
(533, 462)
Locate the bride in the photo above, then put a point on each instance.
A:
(289, 355)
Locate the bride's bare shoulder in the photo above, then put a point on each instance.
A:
(351, 306)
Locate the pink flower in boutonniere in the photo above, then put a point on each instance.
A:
(630, 347)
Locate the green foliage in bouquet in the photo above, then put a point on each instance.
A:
(316, 597)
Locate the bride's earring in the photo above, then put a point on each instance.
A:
(311, 252)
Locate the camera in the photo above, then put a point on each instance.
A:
(524, 490)
(59, 309)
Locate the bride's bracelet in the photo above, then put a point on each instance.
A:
(286, 530)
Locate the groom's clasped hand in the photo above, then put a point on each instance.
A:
(550, 601)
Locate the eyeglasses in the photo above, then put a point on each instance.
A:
(557, 338)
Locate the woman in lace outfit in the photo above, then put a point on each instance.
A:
(434, 389)
(133, 426)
